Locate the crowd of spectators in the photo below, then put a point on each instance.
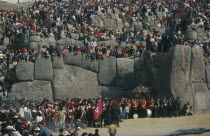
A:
(28, 117)
(51, 18)
(65, 19)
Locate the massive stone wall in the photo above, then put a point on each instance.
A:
(181, 72)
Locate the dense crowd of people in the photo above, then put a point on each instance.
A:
(28, 117)
(51, 18)
(64, 19)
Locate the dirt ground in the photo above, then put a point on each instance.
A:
(157, 126)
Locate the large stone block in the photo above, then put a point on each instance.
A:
(57, 62)
(33, 45)
(79, 43)
(72, 81)
(201, 102)
(208, 76)
(74, 36)
(108, 23)
(125, 73)
(138, 64)
(35, 39)
(72, 59)
(43, 69)
(107, 71)
(50, 40)
(197, 73)
(64, 42)
(191, 35)
(36, 90)
(6, 41)
(90, 64)
(25, 71)
(41, 44)
(175, 73)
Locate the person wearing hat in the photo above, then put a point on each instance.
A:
(36, 131)
(112, 129)
(10, 130)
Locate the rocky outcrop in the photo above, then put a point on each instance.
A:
(89, 64)
(73, 59)
(25, 71)
(107, 71)
(208, 76)
(35, 39)
(201, 98)
(43, 69)
(180, 72)
(36, 90)
(72, 81)
(57, 62)
(125, 73)
(197, 65)
(188, 77)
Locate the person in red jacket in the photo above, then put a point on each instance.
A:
(142, 106)
(151, 105)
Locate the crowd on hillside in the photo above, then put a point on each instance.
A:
(50, 18)
(65, 19)
(27, 116)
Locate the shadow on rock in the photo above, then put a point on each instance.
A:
(189, 131)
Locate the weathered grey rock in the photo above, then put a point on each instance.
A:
(35, 39)
(175, 73)
(57, 62)
(64, 42)
(101, 23)
(89, 64)
(50, 40)
(138, 64)
(33, 45)
(126, 24)
(93, 38)
(79, 43)
(140, 24)
(72, 81)
(108, 23)
(107, 71)
(36, 90)
(191, 35)
(201, 99)
(32, 33)
(41, 44)
(63, 35)
(25, 71)
(109, 11)
(114, 16)
(72, 59)
(2, 48)
(116, 11)
(208, 76)
(125, 73)
(6, 41)
(197, 73)
(43, 69)
(71, 27)
(74, 36)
